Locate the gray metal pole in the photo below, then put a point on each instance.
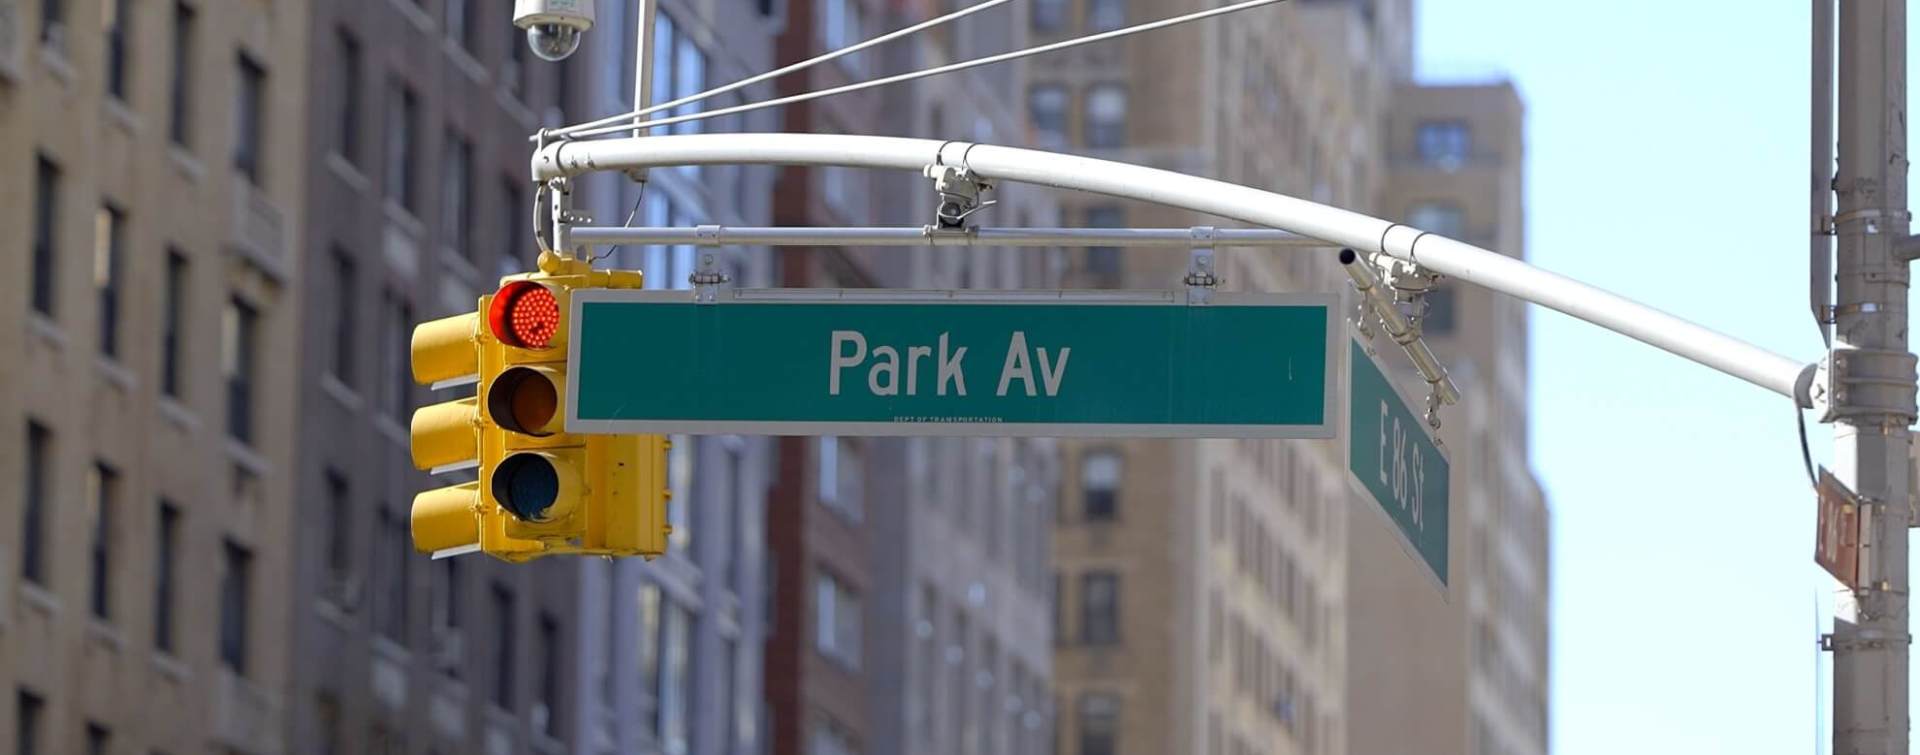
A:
(1873, 376)
(1820, 241)
(642, 69)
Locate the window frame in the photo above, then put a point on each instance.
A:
(249, 118)
(1100, 617)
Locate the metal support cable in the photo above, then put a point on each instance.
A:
(778, 72)
(924, 73)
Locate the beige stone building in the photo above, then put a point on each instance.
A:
(148, 443)
(1202, 586)
(1239, 596)
(1456, 157)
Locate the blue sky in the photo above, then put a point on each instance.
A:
(1667, 156)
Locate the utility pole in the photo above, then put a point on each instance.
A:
(1872, 376)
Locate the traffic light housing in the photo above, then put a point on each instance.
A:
(540, 490)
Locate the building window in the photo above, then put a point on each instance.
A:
(109, 235)
(1099, 608)
(114, 21)
(1048, 16)
(172, 322)
(53, 25)
(99, 740)
(456, 196)
(680, 483)
(249, 119)
(676, 681)
(402, 135)
(829, 737)
(1106, 116)
(382, 740)
(1106, 15)
(1100, 474)
(390, 567)
(33, 532)
(733, 484)
(1059, 596)
(26, 726)
(346, 308)
(546, 709)
(166, 552)
(1444, 218)
(337, 537)
(513, 70)
(1099, 724)
(399, 374)
(327, 710)
(647, 654)
(459, 20)
(236, 581)
(1047, 112)
(1104, 261)
(1439, 318)
(1443, 144)
(444, 610)
(347, 141)
(238, 333)
(514, 239)
(840, 26)
(503, 639)
(46, 217)
(180, 93)
(840, 470)
(103, 487)
(836, 613)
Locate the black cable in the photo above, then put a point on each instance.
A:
(1806, 454)
(629, 224)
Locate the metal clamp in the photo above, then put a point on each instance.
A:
(707, 277)
(1200, 279)
(564, 217)
(1856, 382)
(1402, 330)
(1861, 639)
(960, 194)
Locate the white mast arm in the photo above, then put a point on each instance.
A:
(1469, 263)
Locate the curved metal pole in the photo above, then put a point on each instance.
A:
(1339, 227)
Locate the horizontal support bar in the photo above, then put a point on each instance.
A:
(1339, 227)
(1167, 238)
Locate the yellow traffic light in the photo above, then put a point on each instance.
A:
(541, 490)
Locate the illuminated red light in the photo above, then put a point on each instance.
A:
(525, 315)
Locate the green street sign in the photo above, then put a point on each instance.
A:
(1397, 462)
(1006, 363)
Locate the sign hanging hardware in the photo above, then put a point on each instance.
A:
(961, 193)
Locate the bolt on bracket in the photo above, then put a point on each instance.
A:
(707, 276)
(1200, 279)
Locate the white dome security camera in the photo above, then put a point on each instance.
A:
(553, 26)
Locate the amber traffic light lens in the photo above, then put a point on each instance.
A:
(525, 400)
(525, 315)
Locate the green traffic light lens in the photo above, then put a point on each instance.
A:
(526, 485)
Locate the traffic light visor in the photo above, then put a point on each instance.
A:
(525, 315)
(445, 518)
(443, 349)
